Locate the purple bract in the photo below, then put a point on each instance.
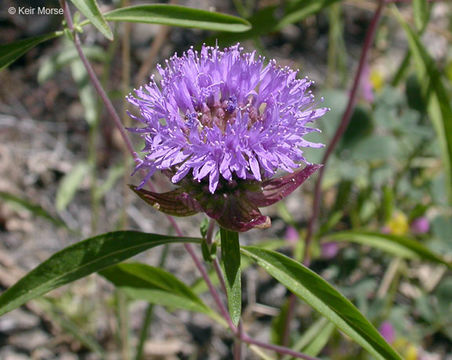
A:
(223, 118)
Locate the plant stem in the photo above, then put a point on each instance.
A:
(238, 343)
(96, 83)
(338, 134)
(340, 129)
(276, 348)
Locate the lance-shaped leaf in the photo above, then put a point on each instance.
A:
(402, 246)
(11, 52)
(175, 15)
(155, 285)
(35, 209)
(175, 202)
(90, 9)
(79, 260)
(274, 190)
(230, 257)
(316, 292)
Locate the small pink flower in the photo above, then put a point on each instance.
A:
(387, 331)
(329, 250)
(366, 85)
(420, 225)
(291, 235)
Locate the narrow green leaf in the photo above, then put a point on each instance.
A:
(175, 15)
(316, 292)
(439, 105)
(319, 342)
(70, 184)
(268, 20)
(200, 286)
(230, 256)
(279, 323)
(301, 9)
(79, 260)
(155, 285)
(86, 92)
(11, 52)
(70, 327)
(314, 338)
(402, 246)
(114, 174)
(35, 209)
(420, 13)
(90, 9)
(51, 65)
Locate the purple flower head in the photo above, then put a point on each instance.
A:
(222, 119)
(420, 225)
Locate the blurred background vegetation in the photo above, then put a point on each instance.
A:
(63, 176)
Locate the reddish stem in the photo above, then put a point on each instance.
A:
(368, 40)
(278, 349)
(340, 129)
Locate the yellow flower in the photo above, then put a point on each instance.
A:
(411, 352)
(398, 225)
(377, 80)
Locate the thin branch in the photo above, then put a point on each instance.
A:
(339, 132)
(276, 348)
(340, 129)
(96, 83)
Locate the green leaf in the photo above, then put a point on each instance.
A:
(230, 256)
(439, 105)
(420, 13)
(56, 62)
(114, 174)
(279, 324)
(401, 246)
(200, 286)
(79, 260)
(360, 126)
(90, 9)
(70, 184)
(268, 19)
(155, 285)
(378, 147)
(182, 16)
(316, 292)
(70, 327)
(85, 91)
(314, 338)
(11, 52)
(35, 209)
(301, 9)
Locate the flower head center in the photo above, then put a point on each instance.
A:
(223, 112)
